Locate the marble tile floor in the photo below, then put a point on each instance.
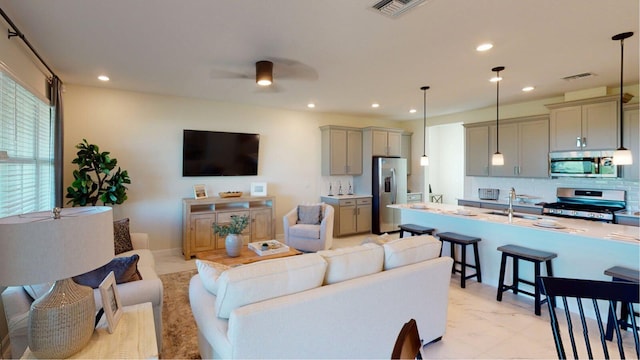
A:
(478, 326)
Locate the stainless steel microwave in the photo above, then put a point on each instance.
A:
(583, 164)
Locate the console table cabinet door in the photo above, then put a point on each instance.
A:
(202, 236)
(261, 224)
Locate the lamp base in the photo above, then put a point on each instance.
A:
(62, 321)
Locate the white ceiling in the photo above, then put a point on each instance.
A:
(339, 54)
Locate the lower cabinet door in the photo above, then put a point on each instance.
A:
(261, 225)
(347, 219)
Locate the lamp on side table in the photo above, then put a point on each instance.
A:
(40, 247)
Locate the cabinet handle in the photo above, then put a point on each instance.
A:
(584, 141)
(515, 170)
(578, 142)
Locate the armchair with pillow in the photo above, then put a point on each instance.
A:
(309, 228)
(137, 282)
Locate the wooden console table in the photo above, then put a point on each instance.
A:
(198, 216)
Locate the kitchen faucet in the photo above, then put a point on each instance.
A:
(512, 196)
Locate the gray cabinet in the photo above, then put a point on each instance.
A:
(524, 142)
(476, 150)
(341, 151)
(406, 150)
(351, 215)
(383, 142)
(590, 124)
(631, 134)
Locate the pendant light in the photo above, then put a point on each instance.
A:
(264, 73)
(424, 160)
(622, 156)
(497, 159)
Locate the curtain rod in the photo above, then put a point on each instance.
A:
(18, 33)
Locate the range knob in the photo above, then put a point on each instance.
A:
(590, 214)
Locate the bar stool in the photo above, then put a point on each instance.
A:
(619, 273)
(536, 257)
(415, 230)
(463, 241)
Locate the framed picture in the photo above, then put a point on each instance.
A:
(111, 301)
(200, 191)
(259, 189)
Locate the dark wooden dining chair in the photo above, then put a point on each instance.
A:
(408, 343)
(585, 295)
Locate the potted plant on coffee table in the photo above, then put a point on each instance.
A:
(232, 231)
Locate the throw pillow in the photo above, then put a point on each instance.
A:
(210, 273)
(121, 236)
(125, 270)
(309, 214)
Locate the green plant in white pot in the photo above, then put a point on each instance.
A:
(232, 231)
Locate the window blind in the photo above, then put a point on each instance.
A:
(26, 134)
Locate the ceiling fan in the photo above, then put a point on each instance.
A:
(267, 73)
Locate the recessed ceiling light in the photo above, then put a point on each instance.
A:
(495, 78)
(103, 78)
(413, 111)
(311, 105)
(528, 88)
(375, 105)
(484, 47)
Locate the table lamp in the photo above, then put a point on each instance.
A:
(42, 247)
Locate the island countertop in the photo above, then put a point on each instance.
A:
(585, 248)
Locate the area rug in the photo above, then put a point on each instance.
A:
(179, 331)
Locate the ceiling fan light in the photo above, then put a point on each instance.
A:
(497, 159)
(622, 156)
(424, 160)
(264, 73)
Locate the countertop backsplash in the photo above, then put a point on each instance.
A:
(545, 189)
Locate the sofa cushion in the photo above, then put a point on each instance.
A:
(267, 279)
(305, 231)
(352, 262)
(410, 250)
(309, 214)
(210, 273)
(125, 270)
(121, 236)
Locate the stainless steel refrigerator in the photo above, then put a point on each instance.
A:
(389, 177)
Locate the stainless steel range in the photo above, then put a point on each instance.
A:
(589, 204)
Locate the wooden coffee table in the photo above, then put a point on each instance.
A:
(247, 256)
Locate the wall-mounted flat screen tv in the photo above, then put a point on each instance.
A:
(213, 153)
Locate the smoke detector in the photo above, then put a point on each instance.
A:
(395, 8)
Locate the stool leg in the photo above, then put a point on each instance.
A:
(550, 273)
(453, 256)
(516, 275)
(441, 246)
(401, 233)
(463, 265)
(537, 288)
(503, 263)
(477, 259)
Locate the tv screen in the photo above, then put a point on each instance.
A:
(213, 153)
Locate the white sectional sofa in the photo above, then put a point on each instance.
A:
(17, 301)
(344, 303)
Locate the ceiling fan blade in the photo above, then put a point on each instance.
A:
(284, 68)
(228, 74)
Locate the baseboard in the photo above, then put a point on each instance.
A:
(6, 347)
(167, 252)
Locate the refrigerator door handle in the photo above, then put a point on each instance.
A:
(394, 186)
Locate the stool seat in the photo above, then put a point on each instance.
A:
(527, 253)
(535, 256)
(414, 229)
(623, 273)
(458, 238)
(463, 241)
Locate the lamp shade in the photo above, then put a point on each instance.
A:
(622, 156)
(424, 160)
(36, 248)
(497, 159)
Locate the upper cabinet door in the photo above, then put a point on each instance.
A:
(379, 143)
(631, 137)
(477, 151)
(394, 143)
(600, 126)
(338, 152)
(566, 129)
(508, 142)
(533, 138)
(354, 152)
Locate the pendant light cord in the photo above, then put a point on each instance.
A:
(621, 93)
(424, 117)
(497, 111)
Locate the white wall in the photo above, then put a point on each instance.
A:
(144, 132)
(446, 161)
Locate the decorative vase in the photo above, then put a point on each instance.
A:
(233, 244)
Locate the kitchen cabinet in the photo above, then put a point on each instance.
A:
(524, 142)
(341, 150)
(406, 149)
(199, 215)
(476, 150)
(631, 136)
(589, 124)
(352, 215)
(383, 142)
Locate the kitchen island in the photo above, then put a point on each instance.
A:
(585, 248)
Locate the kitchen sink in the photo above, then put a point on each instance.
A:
(515, 215)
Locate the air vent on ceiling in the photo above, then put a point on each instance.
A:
(394, 8)
(578, 76)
